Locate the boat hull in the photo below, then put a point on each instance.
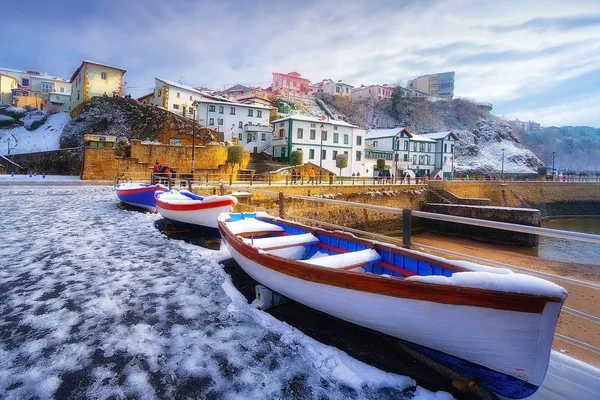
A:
(141, 196)
(507, 350)
(201, 216)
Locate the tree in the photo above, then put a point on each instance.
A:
(542, 171)
(234, 155)
(123, 147)
(341, 161)
(380, 164)
(296, 158)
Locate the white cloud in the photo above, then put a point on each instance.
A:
(580, 112)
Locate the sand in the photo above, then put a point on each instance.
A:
(581, 298)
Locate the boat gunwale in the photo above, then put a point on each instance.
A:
(196, 205)
(387, 286)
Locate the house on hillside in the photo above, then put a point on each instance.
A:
(146, 99)
(92, 79)
(405, 152)
(235, 90)
(34, 87)
(291, 84)
(60, 101)
(440, 85)
(372, 92)
(320, 141)
(7, 84)
(338, 88)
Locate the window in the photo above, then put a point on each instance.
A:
(241, 124)
(324, 136)
(452, 148)
(358, 155)
(406, 145)
(421, 159)
(405, 157)
(62, 89)
(375, 143)
(78, 93)
(281, 123)
(334, 154)
(415, 146)
(346, 139)
(337, 89)
(251, 113)
(281, 133)
(446, 148)
(311, 154)
(240, 135)
(159, 92)
(190, 98)
(323, 154)
(221, 109)
(428, 159)
(220, 121)
(211, 121)
(335, 128)
(175, 106)
(300, 133)
(104, 76)
(313, 134)
(422, 147)
(336, 137)
(414, 159)
(429, 147)
(359, 140)
(211, 108)
(259, 113)
(25, 82)
(313, 125)
(47, 87)
(232, 111)
(191, 110)
(178, 95)
(263, 137)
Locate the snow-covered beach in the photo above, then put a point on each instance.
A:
(95, 303)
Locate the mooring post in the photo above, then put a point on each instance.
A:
(221, 189)
(281, 205)
(170, 181)
(189, 183)
(230, 179)
(406, 222)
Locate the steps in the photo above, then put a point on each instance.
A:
(261, 163)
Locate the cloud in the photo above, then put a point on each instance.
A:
(546, 24)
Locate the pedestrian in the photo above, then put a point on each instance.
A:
(156, 170)
(407, 178)
(311, 176)
(166, 172)
(380, 177)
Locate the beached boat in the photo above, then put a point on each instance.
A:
(186, 209)
(138, 194)
(490, 324)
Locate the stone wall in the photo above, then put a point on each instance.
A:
(519, 216)
(56, 162)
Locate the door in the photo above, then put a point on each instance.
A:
(255, 149)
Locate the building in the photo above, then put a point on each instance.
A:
(95, 79)
(372, 92)
(526, 126)
(61, 101)
(248, 123)
(291, 85)
(146, 99)
(429, 154)
(34, 87)
(7, 84)
(441, 85)
(235, 90)
(320, 141)
(328, 86)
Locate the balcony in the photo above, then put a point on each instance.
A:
(258, 128)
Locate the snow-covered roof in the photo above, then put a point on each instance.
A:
(438, 135)
(383, 133)
(299, 117)
(179, 85)
(146, 95)
(8, 76)
(95, 63)
(419, 138)
(48, 78)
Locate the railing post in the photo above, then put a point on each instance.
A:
(281, 205)
(286, 180)
(221, 189)
(189, 183)
(230, 179)
(269, 179)
(170, 183)
(406, 222)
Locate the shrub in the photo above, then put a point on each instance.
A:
(123, 147)
(5, 120)
(15, 112)
(341, 161)
(234, 155)
(380, 163)
(296, 158)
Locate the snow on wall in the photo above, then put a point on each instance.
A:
(44, 138)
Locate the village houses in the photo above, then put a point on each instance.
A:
(33, 88)
(328, 86)
(372, 92)
(291, 85)
(95, 79)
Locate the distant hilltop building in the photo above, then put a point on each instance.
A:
(338, 88)
(441, 85)
(95, 79)
(526, 126)
(30, 87)
(372, 92)
(291, 84)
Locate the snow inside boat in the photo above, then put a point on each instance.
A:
(138, 194)
(492, 325)
(186, 209)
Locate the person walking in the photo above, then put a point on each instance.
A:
(311, 176)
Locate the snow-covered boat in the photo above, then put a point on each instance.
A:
(186, 209)
(490, 324)
(138, 194)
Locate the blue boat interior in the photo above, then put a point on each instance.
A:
(191, 195)
(391, 263)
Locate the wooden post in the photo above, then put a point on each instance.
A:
(286, 180)
(221, 189)
(170, 181)
(406, 222)
(269, 179)
(189, 182)
(230, 179)
(281, 205)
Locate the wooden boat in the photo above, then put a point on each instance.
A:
(138, 194)
(186, 209)
(490, 324)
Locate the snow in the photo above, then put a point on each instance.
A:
(44, 138)
(6, 118)
(251, 225)
(289, 240)
(345, 259)
(16, 110)
(96, 303)
(33, 116)
(382, 133)
(178, 197)
(514, 283)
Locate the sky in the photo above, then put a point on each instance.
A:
(533, 60)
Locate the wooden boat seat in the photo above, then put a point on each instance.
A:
(346, 261)
(282, 242)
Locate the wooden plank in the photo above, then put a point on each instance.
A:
(397, 269)
(285, 246)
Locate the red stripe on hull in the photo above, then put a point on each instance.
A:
(194, 206)
(141, 190)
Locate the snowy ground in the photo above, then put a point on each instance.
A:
(44, 138)
(96, 303)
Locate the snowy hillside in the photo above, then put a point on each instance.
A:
(19, 140)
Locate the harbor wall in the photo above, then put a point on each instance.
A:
(55, 162)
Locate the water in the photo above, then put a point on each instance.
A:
(571, 250)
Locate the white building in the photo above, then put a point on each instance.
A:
(429, 154)
(38, 82)
(372, 92)
(320, 142)
(338, 88)
(247, 122)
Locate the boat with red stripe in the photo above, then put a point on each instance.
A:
(490, 324)
(188, 210)
(138, 194)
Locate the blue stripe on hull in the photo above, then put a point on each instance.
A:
(137, 199)
(502, 384)
(213, 231)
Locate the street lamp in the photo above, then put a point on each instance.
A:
(321, 156)
(553, 170)
(194, 108)
(503, 165)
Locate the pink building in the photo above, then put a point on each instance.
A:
(291, 84)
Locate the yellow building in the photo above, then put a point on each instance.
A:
(7, 83)
(95, 79)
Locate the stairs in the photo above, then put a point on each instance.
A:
(262, 163)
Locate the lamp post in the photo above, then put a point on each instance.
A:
(553, 170)
(194, 108)
(321, 156)
(502, 165)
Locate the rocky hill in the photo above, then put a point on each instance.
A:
(482, 136)
(125, 118)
